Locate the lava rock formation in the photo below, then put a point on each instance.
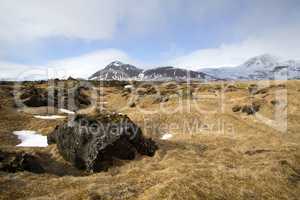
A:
(91, 142)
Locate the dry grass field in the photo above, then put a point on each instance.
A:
(214, 153)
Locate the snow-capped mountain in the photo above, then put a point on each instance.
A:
(119, 71)
(172, 73)
(264, 67)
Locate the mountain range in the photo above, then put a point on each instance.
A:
(263, 67)
(119, 71)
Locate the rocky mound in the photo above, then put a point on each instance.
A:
(248, 109)
(92, 142)
(19, 161)
(72, 99)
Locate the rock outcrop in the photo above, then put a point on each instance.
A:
(19, 161)
(249, 109)
(91, 142)
(34, 97)
(73, 98)
(236, 108)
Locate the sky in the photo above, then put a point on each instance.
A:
(78, 37)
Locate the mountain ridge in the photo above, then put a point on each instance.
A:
(119, 71)
(263, 67)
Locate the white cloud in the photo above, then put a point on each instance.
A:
(14, 71)
(30, 20)
(85, 65)
(20, 72)
(282, 43)
(225, 55)
(259, 26)
(81, 66)
(34, 19)
(79, 19)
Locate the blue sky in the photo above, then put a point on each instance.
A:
(78, 37)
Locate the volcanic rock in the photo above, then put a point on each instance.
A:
(36, 101)
(251, 109)
(274, 102)
(160, 99)
(132, 104)
(91, 142)
(231, 88)
(236, 108)
(262, 91)
(36, 97)
(19, 161)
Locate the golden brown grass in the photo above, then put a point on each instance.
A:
(246, 160)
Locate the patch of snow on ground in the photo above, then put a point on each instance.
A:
(49, 117)
(31, 139)
(66, 111)
(128, 86)
(167, 136)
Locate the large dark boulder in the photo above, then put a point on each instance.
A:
(34, 97)
(91, 142)
(81, 98)
(36, 101)
(19, 161)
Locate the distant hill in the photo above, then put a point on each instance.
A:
(264, 67)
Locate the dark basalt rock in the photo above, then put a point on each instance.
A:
(36, 97)
(275, 102)
(248, 109)
(236, 108)
(231, 88)
(30, 92)
(132, 104)
(19, 161)
(36, 100)
(92, 142)
(261, 91)
(81, 99)
(251, 109)
(160, 99)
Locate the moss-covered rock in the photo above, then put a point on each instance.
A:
(91, 142)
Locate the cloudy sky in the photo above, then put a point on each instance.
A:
(79, 37)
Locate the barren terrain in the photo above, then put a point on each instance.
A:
(213, 152)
